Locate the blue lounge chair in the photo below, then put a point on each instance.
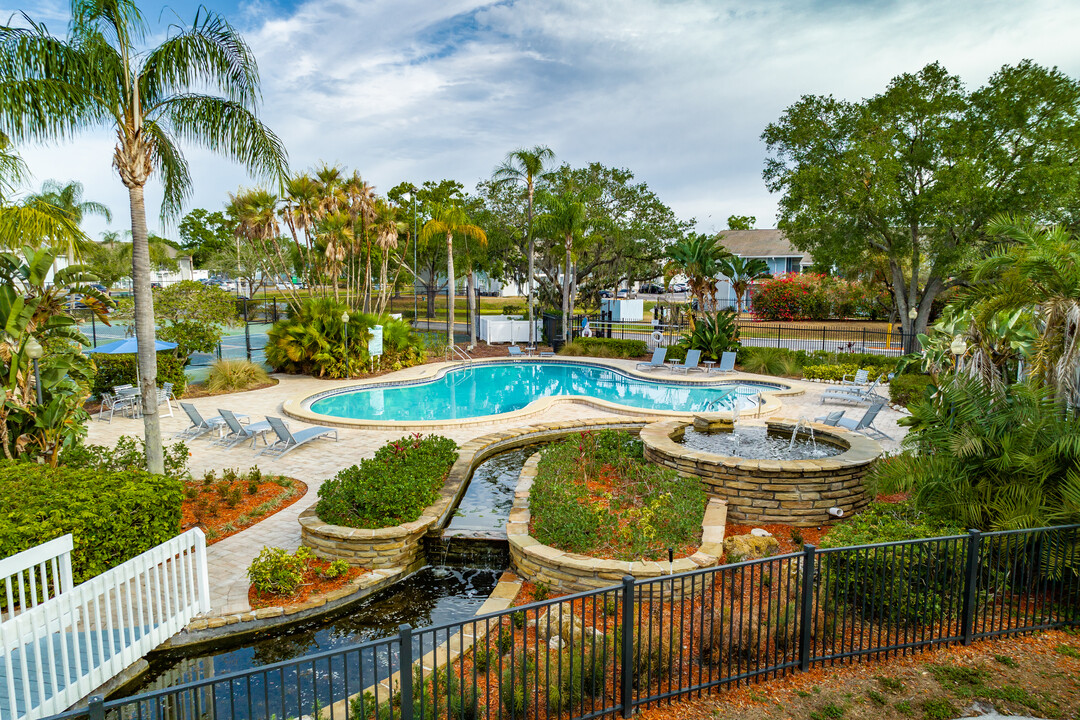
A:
(288, 441)
(727, 363)
(238, 433)
(865, 424)
(515, 351)
(831, 419)
(657, 360)
(693, 357)
(853, 394)
(859, 379)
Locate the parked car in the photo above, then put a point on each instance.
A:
(678, 288)
(623, 294)
(651, 289)
(606, 294)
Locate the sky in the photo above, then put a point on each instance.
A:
(678, 91)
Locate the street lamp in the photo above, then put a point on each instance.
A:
(345, 322)
(958, 346)
(34, 351)
(412, 196)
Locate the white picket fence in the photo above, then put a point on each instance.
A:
(61, 646)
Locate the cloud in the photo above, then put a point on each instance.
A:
(677, 91)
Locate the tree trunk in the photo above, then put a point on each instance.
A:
(145, 331)
(470, 303)
(449, 289)
(566, 295)
(429, 290)
(367, 279)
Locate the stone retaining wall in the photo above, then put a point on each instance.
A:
(792, 492)
(402, 545)
(565, 572)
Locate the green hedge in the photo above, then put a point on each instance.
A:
(606, 347)
(115, 370)
(906, 389)
(391, 488)
(113, 516)
(909, 588)
(837, 372)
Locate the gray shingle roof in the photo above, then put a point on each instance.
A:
(761, 243)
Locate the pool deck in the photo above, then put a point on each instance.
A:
(319, 460)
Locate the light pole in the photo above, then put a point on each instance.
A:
(34, 351)
(958, 346)
(345, 322)
(412, 196)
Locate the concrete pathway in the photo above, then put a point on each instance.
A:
(230, 558)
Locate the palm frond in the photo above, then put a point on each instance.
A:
(173, 166)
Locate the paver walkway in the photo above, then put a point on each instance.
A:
(229, 559)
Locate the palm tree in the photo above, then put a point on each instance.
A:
(361, 201)
(52, 88)
(698, 257)
(26, 225)
(448, 219)
(565, 219)
(336, 234)
(387, 228)
(524, 166)
(68, 199)
(301, 198)
(742, 273)
(1038, 270)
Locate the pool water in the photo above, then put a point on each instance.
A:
(494, 388)
(754, 442)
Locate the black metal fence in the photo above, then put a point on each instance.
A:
(650, 641)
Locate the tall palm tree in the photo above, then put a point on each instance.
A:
(522, 167)
(51, 88)
(387, 229)
(448, 219)
(742, 273)
(336, 235)
(68, 199)
(301, 198)
(361, 200)
(29, 224)
(566, 220)
(698, 256)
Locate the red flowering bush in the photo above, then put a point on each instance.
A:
(808, 296)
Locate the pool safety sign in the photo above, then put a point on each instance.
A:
(374, 345)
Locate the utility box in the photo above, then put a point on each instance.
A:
(624, 310)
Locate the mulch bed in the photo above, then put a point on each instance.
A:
(208, 505)
(312, 586)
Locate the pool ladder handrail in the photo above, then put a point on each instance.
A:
(459, 353)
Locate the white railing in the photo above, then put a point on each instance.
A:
(60, 650)
(35, 575)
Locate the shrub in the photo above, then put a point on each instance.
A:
(769, 361)
(714, 335)
(113, 515)
(836, 373)
(646, 509)
(875, 586)
(115, 370)
(512, 309)
(128, 454)
(391, 488)
(276, 572)
(312, 341)
(808, 296)
(605, 348)
(906, 389)
(234, 375)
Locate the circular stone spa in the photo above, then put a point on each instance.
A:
(781, 471)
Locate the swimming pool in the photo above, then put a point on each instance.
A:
(494, 388)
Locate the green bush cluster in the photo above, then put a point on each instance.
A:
(901, 589)
(605, 347)
(113, 370)
(650, 509)
(562, 680)
(906, 389)
(129, 453)
(391, 488)
(234, 375)
(837, 373)
(113, 515)
(276, 572)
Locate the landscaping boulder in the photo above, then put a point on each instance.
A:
(749, 547)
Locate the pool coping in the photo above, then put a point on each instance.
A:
(299, 406)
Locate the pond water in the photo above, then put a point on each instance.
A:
(486, 504)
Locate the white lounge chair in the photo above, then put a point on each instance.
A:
(658, 356)
(239, 432)
(288, 441)
(693, 357)
(111, 403)
(850, 393)
(860, 378)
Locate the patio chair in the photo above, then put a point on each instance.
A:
(515, 351)
(727, 363)
(657, 360)
(112, 403)
(288, 441)
(163, 399)
(865, 424)
(693, 357)
(860, 378)
(199, 425)
(167, 388)
(831, 419)
(865, 395)
(238, 432)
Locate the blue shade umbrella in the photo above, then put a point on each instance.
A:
(129, 346)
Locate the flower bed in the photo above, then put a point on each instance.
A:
(280, 579)
(595, 494)
(224, 506)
